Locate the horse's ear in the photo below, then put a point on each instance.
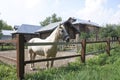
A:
(71, 19)
(60, 25)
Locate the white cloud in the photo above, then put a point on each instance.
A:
(94, 10)
(115, 18)
(119, 6)
(32, 3)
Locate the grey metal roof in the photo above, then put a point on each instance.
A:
(26, 28)
(85, 22)
(7, 32)
(49, 27)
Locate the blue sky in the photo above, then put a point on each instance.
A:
(17, 12)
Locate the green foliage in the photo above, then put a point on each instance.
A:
(0, 34)
(7, 72)
(84, 35)
(7, 47)
(109, 31)
(4, 26)
(51, 19)
(118, 29)
(95, 47)
(100, 67)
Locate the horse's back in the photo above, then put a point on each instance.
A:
(33, 40)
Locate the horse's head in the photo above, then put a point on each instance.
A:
(63, 33)
(64, 27)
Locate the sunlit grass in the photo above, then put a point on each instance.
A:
(101, 67)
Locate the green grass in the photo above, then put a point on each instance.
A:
(7, 47)
(101, 67)
(7, 72)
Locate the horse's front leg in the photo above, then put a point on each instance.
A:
(32, 57)
(52, 62)
(47, 65)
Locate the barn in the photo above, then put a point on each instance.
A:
(87, 27)
(47, 30)
(74, 32)
(6, 34)
(26, 29)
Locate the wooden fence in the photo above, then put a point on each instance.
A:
(20, 43)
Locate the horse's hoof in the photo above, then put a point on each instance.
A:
(32, 69)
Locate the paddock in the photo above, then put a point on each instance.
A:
(9, 57)
(20, 54)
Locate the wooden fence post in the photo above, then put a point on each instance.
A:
(108, 46)
(83, 51)
(119, 40)
(20, 56)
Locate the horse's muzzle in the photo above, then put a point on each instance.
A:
(66, 38)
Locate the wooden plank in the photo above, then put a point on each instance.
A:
(91, 42)
(56, 58)
(8, 41)
(108, 47)
(83, 50)
(20, 56)
(51, 43)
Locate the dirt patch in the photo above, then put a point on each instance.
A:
(58, 63)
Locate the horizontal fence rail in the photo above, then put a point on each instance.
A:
(95, 52)
(91, 42)
(51, 43)
(8, 41)
(56, 58)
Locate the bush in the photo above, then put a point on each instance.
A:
(95, 47)
(7, 72)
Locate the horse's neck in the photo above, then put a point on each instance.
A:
(54, 36)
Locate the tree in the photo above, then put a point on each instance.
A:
(84, 35)
(50, 19)
(108, 31)
(118, 29)
(4, 26)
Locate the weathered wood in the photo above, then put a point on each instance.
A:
(108, 47)
(77, 40)
(8, 41)
(51, 43)
(83, 51)
(56, 58)
(91, 42)
(119, 40)
(20, 56)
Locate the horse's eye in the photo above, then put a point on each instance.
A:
(62, 31)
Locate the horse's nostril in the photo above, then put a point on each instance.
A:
(68, 39)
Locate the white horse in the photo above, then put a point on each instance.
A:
(47, 50)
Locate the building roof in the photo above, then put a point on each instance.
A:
(80, 21)
(49, 27)
(7, 32)
(26, 28)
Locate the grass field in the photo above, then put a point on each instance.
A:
(101, 67)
